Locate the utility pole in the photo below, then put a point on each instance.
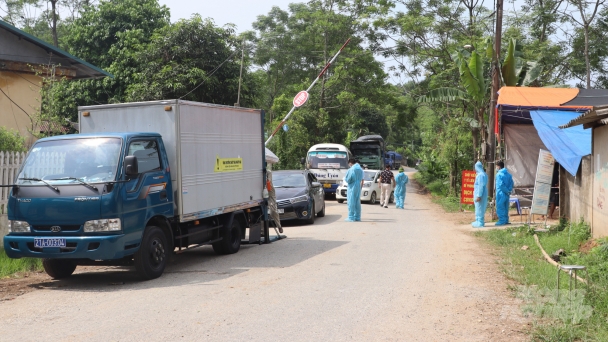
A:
(494, 97)
(238, 96)
(54, 22)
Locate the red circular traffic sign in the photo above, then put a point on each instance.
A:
(300, 98)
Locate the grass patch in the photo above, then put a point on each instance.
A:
(10, 266)
(450, 204)
(578, 316)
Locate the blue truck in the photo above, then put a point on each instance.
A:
(139, 182)
(393, 159)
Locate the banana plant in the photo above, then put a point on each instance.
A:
(517, 72)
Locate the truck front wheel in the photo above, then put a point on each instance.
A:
(58, 268)
(231, 239)
(151, 258)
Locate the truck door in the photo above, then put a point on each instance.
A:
(149, 193)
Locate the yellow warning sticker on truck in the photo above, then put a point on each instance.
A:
(228, 164)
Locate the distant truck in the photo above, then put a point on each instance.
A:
(393, 159)
(141, 180)
(369, 150)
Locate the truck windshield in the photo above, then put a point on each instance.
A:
(327, 160)
(71, 160)
(366, 152)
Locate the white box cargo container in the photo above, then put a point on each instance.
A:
(197, 136)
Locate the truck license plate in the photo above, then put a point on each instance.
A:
(281, 211)
(49, 242)
(327, 185)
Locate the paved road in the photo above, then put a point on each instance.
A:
(400, 275)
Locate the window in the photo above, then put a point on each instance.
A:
(146, 151)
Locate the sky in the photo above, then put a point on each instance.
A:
(242, 13)
(239, 12)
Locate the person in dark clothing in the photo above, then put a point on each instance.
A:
(554, 197)
(387, 181)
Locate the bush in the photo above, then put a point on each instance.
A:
(580, 231)
(11, 140)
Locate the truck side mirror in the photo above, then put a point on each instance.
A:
(131, 168)
(302, 161)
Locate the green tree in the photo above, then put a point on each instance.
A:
(107, 35)
(11, 140)
(92, 35)
(191, 59)
(292, 47)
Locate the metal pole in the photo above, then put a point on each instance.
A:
(238, 96)
(494, 97)
(307, 90)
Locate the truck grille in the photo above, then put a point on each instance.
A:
(64, 228)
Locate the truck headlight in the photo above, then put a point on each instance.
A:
(367, 184)
(105, 225)
(298, 199)
(18, 227)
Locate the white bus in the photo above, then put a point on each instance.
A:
(329, 163)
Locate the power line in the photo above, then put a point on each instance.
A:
(15, 103)
(212, 72)
(18, 74)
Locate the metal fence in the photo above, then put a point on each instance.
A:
(9, 165)
(10, 162)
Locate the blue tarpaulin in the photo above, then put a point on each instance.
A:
(569, 145)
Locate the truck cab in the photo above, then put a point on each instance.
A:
(89, 196)
(369, 150)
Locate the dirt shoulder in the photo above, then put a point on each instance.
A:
(473, 267)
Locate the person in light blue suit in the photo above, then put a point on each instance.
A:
(480, 194)
(354, 179)
(504, 186)
(401, 180)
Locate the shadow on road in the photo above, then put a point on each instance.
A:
(319, 221)
(199, 266)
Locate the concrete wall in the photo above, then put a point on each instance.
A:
(575, 195)
(21, 87)
(599, 200)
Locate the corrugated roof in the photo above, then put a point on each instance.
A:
(596, 114)
(52, 127)
(537, 97)
(84, 69)
(589, 97)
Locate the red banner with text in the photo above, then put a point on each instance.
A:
(468, 183)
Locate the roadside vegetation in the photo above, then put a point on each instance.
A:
(450, 202)
(579, 315)
(10, 267)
